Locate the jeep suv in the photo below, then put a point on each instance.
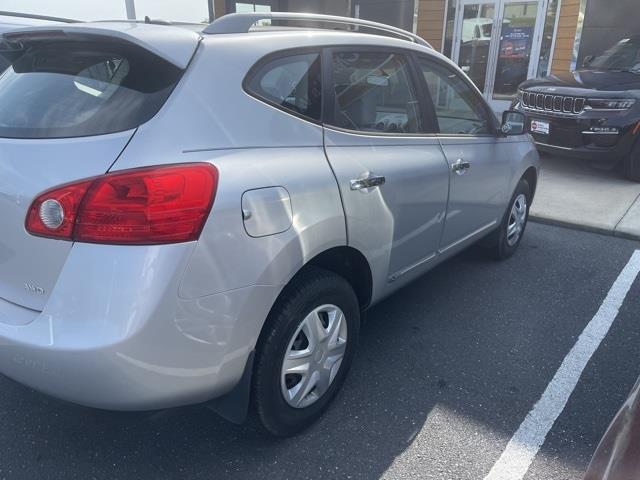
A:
(592, 113)
(202, 216)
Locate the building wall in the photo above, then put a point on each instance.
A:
(219, 7)
(431, 18)
(565, 36)
(431, 21)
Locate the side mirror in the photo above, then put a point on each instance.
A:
(513, 123)
(587, 60)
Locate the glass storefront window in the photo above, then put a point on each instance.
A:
(475, 41)
(516, 43)
(547, 38)
(251, 7)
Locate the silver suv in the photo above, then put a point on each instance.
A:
(203, 216)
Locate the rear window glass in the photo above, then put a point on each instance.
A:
(75, 89)
(292, 83)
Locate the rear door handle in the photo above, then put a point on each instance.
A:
(460, 166)
(369, 181)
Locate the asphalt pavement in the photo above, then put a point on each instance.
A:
(448, 368)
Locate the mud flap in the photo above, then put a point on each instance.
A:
(234, 406)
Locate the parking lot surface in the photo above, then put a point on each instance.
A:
(448, 369)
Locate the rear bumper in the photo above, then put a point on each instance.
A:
(131, 346)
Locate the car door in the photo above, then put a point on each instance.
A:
(392, 174)
(478, 170)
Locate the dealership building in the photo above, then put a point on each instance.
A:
(498, 43)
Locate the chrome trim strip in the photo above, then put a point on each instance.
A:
(600, 133)
(468, 237)
(578, 37)
(392, 278)
(571, 102)
(552, 146)
(547, 103)
(552, 113)
(591, 109)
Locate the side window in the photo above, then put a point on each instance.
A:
(292, 83)
(459, 109)
(374, 93)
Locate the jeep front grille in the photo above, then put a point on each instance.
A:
(544, 102)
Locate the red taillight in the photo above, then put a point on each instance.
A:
(166, 204)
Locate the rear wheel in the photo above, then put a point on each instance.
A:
(304, 356)
(631, 164)
(503, 242)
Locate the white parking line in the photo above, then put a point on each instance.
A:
(525, 443)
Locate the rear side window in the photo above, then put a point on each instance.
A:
(374, 93)
(75, 89)
(292, 83)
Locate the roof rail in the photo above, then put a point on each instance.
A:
(242, 23)
(38, 17)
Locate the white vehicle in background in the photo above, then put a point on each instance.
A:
(477, 29)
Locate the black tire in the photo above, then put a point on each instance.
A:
(311, 289)
(631, 164)
(498, 243)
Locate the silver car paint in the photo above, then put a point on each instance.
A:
(398, 225)
(476, 197)
(266, 211)
(158, 326)
(27, 168)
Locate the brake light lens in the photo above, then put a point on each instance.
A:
(145, 206)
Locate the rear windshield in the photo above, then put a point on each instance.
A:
(75, 89)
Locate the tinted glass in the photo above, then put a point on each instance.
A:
(459, 108)
(291, 82)
(374, 93)
(624, 55)
(74, 89)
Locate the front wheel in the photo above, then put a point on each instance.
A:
(306, 351)
(503, 242)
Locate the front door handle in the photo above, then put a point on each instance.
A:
(370, 181)
(460, 166)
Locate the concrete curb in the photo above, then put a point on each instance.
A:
(584, 228)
